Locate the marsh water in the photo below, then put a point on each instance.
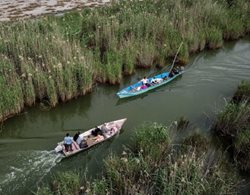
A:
(27, 141)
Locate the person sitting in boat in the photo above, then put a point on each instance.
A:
(156, 80)
(144, 87)
(105, 128)
(99, 138)
(176, 70)
(96, 131)
(76, 136)
(135, 89)
(112, 130)
(172, 73)
(165, 77)
(68, 140)
(81, 142)
(145, 82)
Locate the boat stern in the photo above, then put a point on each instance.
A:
(59, 148)
(122, 93)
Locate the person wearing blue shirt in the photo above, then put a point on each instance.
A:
(68, 140)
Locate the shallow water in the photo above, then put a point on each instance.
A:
(27, 141)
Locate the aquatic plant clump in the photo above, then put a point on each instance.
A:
(243, 92)
(58, 58)
(233, 127)
(64, 183)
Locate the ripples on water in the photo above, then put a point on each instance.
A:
(28, 165)
(232, 65)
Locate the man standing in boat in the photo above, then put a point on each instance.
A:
(68, 140)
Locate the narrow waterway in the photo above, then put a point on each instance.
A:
(27, 141)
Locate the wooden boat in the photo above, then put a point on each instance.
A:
(136, 89)
(108, 130)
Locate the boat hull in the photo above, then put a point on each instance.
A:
(127, 91)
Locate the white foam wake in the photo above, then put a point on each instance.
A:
(28, 170)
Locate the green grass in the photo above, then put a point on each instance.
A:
(58, 58)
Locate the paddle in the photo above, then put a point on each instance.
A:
(172, 66)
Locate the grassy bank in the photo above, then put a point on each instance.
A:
(233, 127)
(153, 164)
(54, 59)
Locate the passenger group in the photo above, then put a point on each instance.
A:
(145, 82)
(79, 141)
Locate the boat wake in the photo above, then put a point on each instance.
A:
(28, 170)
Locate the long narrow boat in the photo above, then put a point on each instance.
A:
(108, 130)
(135, 89)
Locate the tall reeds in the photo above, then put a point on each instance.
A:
(65, 183)
(48, 66)
(11, 89)
(232, 126)
(58, 58)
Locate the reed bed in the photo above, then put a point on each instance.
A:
(45, 66)
(58, 58)
(10, 87)
(66, 183)
(232, 126)
(152, 164)
(243, 92)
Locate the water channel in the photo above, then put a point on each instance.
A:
(27, 141)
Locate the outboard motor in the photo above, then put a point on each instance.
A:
(59, 148)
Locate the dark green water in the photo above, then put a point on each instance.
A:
(27, 140)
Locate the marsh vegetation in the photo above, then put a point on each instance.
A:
(233, 127)
(54, 59)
